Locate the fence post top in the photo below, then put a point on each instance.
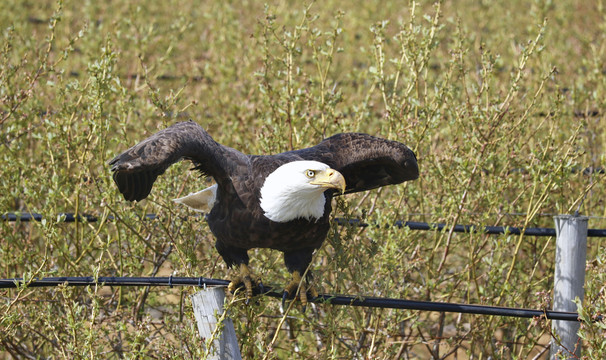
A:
(571, 217)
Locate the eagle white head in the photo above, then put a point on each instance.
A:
(296, 190)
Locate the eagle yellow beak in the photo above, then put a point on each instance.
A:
(330, 179)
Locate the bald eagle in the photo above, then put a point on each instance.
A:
(280, 201)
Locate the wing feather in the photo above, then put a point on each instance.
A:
(136, 169)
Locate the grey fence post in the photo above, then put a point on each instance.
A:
(208, 308)
(571, 256)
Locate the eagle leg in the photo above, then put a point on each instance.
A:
(245, 277)
(303, 287)
(297, 262)
(237, 256)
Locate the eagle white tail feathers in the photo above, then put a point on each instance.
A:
(201, 201)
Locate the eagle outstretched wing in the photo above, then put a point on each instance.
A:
(366, 162)
(136, 169)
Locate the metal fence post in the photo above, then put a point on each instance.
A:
(571, 256)
(208, 308)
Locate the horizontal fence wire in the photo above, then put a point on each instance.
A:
(412, 225)
(372, 302)
(345, 300)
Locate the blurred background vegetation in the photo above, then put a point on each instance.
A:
(503, 102)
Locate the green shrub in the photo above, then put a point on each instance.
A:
(503, 106)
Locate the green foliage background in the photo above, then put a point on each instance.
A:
(503, 102)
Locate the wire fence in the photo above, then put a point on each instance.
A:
(412, 225)
(345, 300)
(373, 302)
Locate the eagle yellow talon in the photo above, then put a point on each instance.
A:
(244, 277)
(302, 286)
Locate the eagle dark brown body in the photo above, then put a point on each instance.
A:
(237, 220)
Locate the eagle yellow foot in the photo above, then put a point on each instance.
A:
(245, 277)
(302, 286)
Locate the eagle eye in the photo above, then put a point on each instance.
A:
(310, 173)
